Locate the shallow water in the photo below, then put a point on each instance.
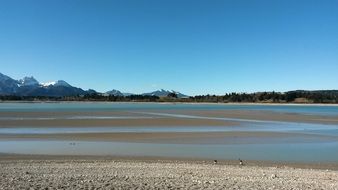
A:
(309, 143)
(304, 128)
(81, 106)
(300, 152)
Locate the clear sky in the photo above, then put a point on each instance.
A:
(192, 46)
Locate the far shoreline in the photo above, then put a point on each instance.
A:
(178, 102)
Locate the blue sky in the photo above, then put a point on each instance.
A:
(193, 46)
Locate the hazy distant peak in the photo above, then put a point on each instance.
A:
(163, 93)
(114, 92)
(28, 81)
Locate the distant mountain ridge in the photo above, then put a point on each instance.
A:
(29, 86)
(159, 93)
(164, 93)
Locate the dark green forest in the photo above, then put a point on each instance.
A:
(299, 96)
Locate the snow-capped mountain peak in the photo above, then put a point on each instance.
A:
(48, 84)
(28, 81)
(56, 83)
(29, 86)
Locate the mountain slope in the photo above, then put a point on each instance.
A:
(28, 81)
(56, 83)
(57, 91)
(114, 93)
(164, 93)
(8, 85)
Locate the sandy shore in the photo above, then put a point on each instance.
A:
(138, 174)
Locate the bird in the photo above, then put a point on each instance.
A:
(215, 161)
(240, 162)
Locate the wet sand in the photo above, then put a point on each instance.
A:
(114, 122)
(147, 118)
(66, 173)
(231, 137)
(259, 115)
(99, 119)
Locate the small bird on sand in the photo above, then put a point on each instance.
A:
(240, 162)
(215, 161)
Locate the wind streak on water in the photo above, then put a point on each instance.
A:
(217, 118)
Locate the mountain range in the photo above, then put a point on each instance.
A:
(163, 93)
(29, 86)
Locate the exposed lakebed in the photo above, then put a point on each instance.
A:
(211, 131)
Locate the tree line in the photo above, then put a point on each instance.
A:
(329, 96)
(300, 96)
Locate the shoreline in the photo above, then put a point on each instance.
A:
(12, 158)
(178, 102)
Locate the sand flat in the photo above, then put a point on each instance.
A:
(142, 118)
(259, 115)
(114, 122)
(35, 114)
(233, 137)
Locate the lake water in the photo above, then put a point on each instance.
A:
(315, 143)
(302, 109)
